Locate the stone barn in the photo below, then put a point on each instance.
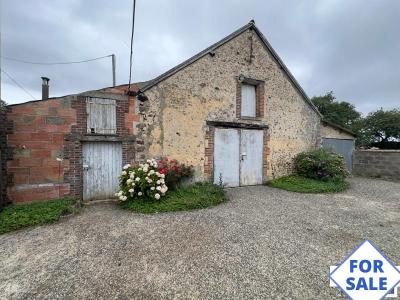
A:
(233, 111)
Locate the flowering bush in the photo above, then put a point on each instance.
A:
(142, 181)
(174, 171)
(320, 164)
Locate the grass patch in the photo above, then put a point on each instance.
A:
(200, 195)
(14, 217)
(295, 183)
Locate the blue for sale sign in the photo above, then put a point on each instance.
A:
(366, 274)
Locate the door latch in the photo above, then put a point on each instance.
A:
(85, 167)
(243, 155)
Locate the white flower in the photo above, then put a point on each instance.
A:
(158, 188)
(116, 194)
(162, 180)
(127, 166)
(157, 174)
(132, 175)
(157, 196)
(129, 181)
(131, 191)
(164, 189)
(145, 170)
(150, 180)
(158, 181)
(162, 175)
(123, 173)
(123, 198)
(152, 188)
(151, 172)
(140, 194)
(146, 166)
(137, 179)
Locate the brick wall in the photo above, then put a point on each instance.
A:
(377, 163)
(4, 154)
(37, 141)
(260, 97)
(47, 129)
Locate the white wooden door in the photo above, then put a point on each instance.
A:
(101, 115)
(102, 164)
(226, 157)
(248, 105)
(238, 156)
(251, 160)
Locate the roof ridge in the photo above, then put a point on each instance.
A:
(250, 24)
(197, 56)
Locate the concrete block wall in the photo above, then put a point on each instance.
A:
(377, 163)
(37, 140)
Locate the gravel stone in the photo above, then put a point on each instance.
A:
(264, 243)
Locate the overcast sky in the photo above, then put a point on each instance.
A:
(349, 47)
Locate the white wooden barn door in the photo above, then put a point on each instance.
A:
(251, 160)
(102, 164)
(226, 156)
(238, 156)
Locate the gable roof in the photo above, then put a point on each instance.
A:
(334, 125)
(250, 25)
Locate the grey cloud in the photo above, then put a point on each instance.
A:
(350, 47)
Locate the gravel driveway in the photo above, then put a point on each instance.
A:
(264, 243)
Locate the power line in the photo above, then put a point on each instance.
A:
(130, 59)
(55, 63)
(17, 84)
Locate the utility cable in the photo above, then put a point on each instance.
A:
(54, 63)
(17, 84)
(130, 59)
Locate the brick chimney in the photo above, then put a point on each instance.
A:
(45, 88)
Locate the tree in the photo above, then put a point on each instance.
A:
(380, 129)
(339, 112)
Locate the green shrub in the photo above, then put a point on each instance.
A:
(174, 171)
(141, 181)
(197, 196)
(320, 164)
(295, 183)
(14, 217)
(151, 180)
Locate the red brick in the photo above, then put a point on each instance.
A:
(20, 177)
(40, 136)
(58, 138)
(41, 153)
(19, 136)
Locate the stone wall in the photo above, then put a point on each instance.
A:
(174, 118)
(377, 163)
(328, 131)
